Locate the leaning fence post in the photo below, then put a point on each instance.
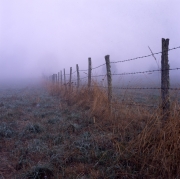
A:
(89, 72)
(78, 78)
(70, 79)
(109, 79)
(165, 98)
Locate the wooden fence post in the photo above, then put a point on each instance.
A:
(89, 72)
(109, 79)
(65, 79)
(58, 77)
(70, 78)
(78, 77)
(61, 78)
(53, 79)
(165, 98)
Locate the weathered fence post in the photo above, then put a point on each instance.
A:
(165, 98)
(78, 78)
(109, 80)
(53, 79)
(70, 78)
(65, 80)
(58, 77)
(61, 78)
(89, 72)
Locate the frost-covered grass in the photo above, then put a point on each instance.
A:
(51, 134)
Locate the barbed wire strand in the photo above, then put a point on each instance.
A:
(135, 88)
(145, 56)
(133, 73)
(74, 72)
(149, 71)
(131, 104)
(139, 88)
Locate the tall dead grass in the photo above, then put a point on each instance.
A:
(149, 146)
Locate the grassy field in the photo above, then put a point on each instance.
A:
(51, 132)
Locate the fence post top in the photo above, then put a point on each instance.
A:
(107, 56)
(163, 39)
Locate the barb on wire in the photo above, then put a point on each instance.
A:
(154, 57)
(145, 56)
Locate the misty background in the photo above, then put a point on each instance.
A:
(42, 37)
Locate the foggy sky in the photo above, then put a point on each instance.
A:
(45, 36)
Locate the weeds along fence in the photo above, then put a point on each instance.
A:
(164, 70)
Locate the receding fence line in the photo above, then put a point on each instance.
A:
(165, 84)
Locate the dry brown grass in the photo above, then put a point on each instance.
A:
(144, 144)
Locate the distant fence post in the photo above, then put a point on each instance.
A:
(55, 77)
(58, 77)
(78, 78)
(52, 79)
(165, 98)
(61, 77)
(89, 72)
(70, 78)
(65, 78)
(109, 79)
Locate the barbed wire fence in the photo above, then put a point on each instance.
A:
(165, 84)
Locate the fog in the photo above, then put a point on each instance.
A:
(42, 37)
